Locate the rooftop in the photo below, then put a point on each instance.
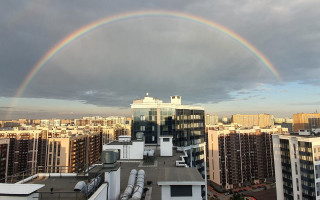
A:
(62, 186)
(160, 170)
(175, 175)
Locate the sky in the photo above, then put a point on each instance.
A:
(104, 70)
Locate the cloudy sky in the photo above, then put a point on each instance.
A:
(101, 72)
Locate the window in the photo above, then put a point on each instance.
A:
(50, 159)
(166, 139)
(59, 146)
(142, 128)
(181, 190)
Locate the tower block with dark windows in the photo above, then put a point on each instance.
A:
(185, 123)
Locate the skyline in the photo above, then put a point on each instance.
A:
(102, 71)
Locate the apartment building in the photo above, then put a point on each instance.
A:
(4, 158)
(305, 121)
(297, 166)
(27, 149)
(241, 157)
(247, 121)
(74, 153)
(185, 123)
(211, 119)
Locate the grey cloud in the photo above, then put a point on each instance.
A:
(163, 56)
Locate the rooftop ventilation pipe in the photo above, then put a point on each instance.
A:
(128, 191)
(138, 189)
(81, 186)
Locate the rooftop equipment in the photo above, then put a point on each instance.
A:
(138, 188)
(128, 191)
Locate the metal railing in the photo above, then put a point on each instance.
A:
(43, 169)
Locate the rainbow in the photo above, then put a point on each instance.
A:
(139, 14)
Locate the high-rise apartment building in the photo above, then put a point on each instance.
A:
(4, 158)
(262, 120)
(305, 121)
(185, 123)
(27, 149)
(75, 153)
(241, 157)
(297, 166)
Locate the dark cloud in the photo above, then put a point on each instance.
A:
(119, 62)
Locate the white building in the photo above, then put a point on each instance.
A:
(129, 149)
(297, 166)
(180, 184)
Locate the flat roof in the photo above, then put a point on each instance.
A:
(19, 189)
(63, 187)
(180, 176)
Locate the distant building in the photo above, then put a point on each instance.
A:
(75, 153)
(247, 121)
(297, 166)
(27, 149)
(225, 120)
(211, 119)
(241, 157)
(185, 123)
(305, 121)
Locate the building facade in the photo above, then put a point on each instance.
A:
(241, 157)
(27, 149)
(185, 123)
(305, 121)
(262, 120)
(75, 153)
(4, 158)
(297, 164)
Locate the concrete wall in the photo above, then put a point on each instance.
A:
(277, 166)
(110, 190)
(166, 193)
(214, 163)
(101, 193)
(113, 178)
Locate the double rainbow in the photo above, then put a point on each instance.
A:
(140, 14)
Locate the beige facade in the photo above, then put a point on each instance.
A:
(304, 121)
(75, 153)
(247, 121)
